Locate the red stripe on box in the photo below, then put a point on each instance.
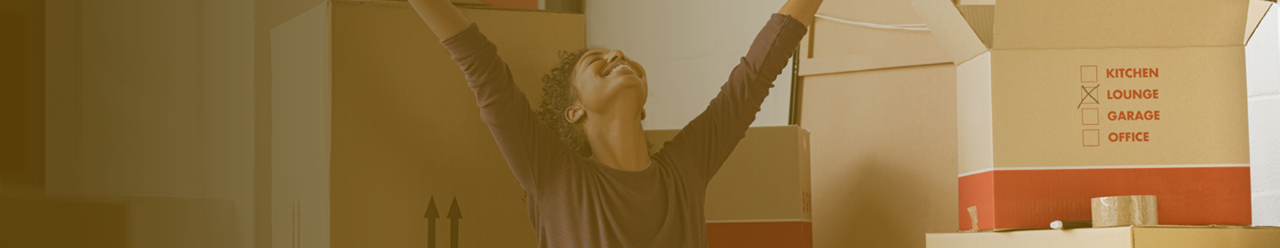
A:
(1185, 196)
(786, 234)
(976, 190)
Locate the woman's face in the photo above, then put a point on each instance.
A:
(607, 80)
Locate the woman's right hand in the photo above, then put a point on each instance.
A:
(440, 15)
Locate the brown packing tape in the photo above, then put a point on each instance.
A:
(1129, 210)
(973, 215)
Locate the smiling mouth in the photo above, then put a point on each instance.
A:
(616, 69)
(617, 66)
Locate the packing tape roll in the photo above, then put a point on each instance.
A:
(1129, 210)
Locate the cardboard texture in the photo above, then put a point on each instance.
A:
(1129, 210)
(834, 47)
(1072, 100)
(1114, 237)
(880, 105)
(883, 145)
(761, 196)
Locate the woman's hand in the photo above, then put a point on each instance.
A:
(801, 10)
(443, 19)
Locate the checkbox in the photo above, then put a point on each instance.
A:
(1088, 74)
(1089, 95)
(1090, 137)
(1089, 116)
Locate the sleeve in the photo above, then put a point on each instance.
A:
(706, 142)
(529, 146)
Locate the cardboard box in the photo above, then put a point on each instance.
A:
(880, 105)
(761, 196)
(1060, 102)
(1114, 237)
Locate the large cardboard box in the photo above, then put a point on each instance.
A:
(1059, 102)
(1114, 237)
(761, 196)
(880, 104)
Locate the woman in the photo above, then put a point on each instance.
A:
(583, 158)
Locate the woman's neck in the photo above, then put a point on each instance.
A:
(618, 141)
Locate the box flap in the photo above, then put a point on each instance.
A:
(1027, 24)
(837, 43)
(1257, 10)
(981, 18)
(951, 29)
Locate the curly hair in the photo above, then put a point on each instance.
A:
(558, 94)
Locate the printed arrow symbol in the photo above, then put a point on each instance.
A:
(431, 215)
(454, 214)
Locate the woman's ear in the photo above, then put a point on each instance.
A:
(574, 113)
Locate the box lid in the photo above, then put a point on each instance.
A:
(1257, 10)
(839, 40)
(1023, 24)
(950, 28)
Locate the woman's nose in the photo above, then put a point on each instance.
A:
(615, 55)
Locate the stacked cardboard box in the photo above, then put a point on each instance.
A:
(880, 104)
(1060, 102)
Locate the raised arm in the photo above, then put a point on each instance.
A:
(444, 19)
(704, 144)
(528, 145)
(801, 10)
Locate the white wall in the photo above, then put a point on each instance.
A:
(1263, 60)
(300, 121)
(688, 48)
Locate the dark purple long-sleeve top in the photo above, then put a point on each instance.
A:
(576, 202)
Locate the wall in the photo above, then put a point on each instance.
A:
(1262, 59)
(688, 47)
(148, 103)
(300, 107)
(267, 14)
